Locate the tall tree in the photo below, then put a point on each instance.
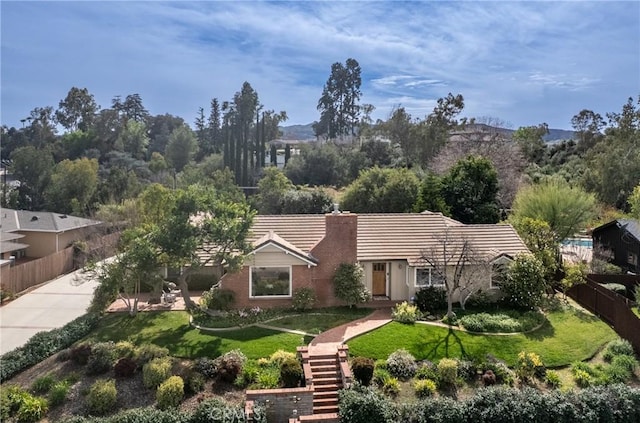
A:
(271, 189)
(339, 103)
(182, 147)
(33, 168)
(77, 110)
(588, 125)
(382, 191)
(398, 129)
(214, 139)
(246, 101)
(73, 184)
(470, 190)
(42, 129)
(530, 140)
(133, 139)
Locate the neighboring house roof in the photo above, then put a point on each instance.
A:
(7, 236)
(30, 221)
(7, 247)
(631, 226)
(393, 236)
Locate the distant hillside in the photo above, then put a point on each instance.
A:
(305, 132)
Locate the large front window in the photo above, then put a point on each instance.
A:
(270, 281)
(428, 277)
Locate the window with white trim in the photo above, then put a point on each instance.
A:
(270, 281)
(427, 277)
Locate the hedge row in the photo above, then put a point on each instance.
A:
(612, 404)
(42, 345)
(211, 410)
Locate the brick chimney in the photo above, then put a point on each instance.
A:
(339, 245)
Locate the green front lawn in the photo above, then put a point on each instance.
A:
(316, 323)
(172, 330)
(568, 336)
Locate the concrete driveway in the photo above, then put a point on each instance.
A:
(50, 306)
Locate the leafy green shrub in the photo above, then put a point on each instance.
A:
(528, 366)
(248, 375)
(304, 298)
(43, 383)
(156, 371)
(80, 353)
(58, 393)
(348, 284)
(525, 283)
(447, 371)
(218, 299)
(552, 379)
(427, 370)
(365, 405)
(32, 409)
(291, 373)
(582, 378)
(229, 365)
(362, 369)
(628, 362)
(102, 397)
(425, 388)
(402, 364)
(147, 352)
(508, 322)
(44, 344)
(194, 383)
(170, 393)
(431, 299)
(617, 347)
(206, 367)
(125, 367)
(380, 364)
(503, 374)
(467, 370)
(269, 378)
(391, 386)
(11, 397)
(621, 369)
(380, 375)
(103, 355)
(280, 356)
(125, 349)
(405, 313)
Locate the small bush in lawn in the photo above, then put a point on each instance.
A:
(427, 370)
(425, 388)
(391, 386)
(291, 373)
(229, 365)
(617, 347)
(280, 356)
(170, 393)
(58, 393)
(125, 367)
(102, 397)
(406, 313)
(303, 298)
(447, 371)
(362, 369)
(147, 352)
(552, 379)
(402, 364)
(80, 353)
(32, 409)
(431, 299)
(489, 378)
(206, 367)
(103, 355)
(156, 371)
(42, 384)
(125, 349)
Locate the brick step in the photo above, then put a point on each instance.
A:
(325, 367)
(323, 356)
(325, 394)
(323, 362)
(320, 402)
(327, 387)
(335, 374)
(326, 381)
(323, 409)
(320, 418)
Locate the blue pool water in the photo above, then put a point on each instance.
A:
(578, 242)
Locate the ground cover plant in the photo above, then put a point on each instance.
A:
(508, 321)
(569, 335)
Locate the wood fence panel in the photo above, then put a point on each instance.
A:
(611, 307)
(18, 278)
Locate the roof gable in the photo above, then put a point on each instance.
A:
(630, 226)
(271, 239)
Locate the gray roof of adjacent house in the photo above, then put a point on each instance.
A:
(8, 247)
(23, 220)
(393, 236)
(631, 226)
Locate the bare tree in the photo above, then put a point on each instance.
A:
(454, 262)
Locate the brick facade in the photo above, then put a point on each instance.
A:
(339, 245)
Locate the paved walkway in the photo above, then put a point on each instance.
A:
(328, 342)
(143, 303)
(50, 306)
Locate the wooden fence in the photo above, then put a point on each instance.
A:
(15, 279)
(611, 307)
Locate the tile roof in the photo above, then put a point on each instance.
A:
(394, 236)
(23, 220)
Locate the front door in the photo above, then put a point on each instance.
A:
(379, 279)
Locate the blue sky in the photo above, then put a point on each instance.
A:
(520, 62)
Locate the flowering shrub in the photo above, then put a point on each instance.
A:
(303, 298)
(402, 364)
(529, 365)
(424, 388)
(447, 371)
(405, 313)
(229, 365)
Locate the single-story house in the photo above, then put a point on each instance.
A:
(618, 242)
(399, 254)
(38, 234)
